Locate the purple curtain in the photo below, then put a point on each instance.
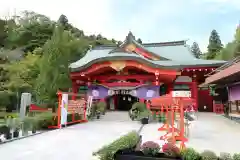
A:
(234, 92)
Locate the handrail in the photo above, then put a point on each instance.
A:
(226, 65)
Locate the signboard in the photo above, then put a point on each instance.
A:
(64, 107)
(124, 92)
(76, 106)
(181, 94)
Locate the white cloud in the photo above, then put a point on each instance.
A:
(97, 16)
(90, 15)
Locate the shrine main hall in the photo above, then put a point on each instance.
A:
(123, 74)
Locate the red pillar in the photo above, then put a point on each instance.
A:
(194, 92)
(169, 88)
(74, 90)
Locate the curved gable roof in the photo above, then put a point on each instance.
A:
(174, 54)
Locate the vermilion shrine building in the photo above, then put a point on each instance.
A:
(130, 72)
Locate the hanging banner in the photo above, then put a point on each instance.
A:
(89, 105)
(64, 106)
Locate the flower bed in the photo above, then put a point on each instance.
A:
(125, 148)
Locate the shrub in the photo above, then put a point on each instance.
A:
(154, 115)
(129, 140)
(208, 155)
(225, 156)
(45, 120)
(144, 114)
(236, 156)
(139, 106)
(92, 113)
(190, 154)
(150, 148)
(101, 106)
(171, 150)
(4, 129)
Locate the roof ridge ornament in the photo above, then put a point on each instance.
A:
(130, 36)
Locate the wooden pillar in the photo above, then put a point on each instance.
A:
(194, 92)
(115, 101)
(74, 90)
(170, 88)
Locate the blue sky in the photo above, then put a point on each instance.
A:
(150, 20)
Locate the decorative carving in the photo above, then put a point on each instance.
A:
(118, 65)
(130, 48)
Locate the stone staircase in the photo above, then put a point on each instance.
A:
(115, 116)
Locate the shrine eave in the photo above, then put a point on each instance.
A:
(176, 65)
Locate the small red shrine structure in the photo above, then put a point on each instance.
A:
(167, 66)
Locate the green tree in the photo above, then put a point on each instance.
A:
(196, 50)
(139, 40)
(237, 42)
(3, 33)
(22, 74)
(54, 76)
(214, 46)
(33, 31)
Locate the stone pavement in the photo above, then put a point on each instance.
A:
(209, 131)
(76, 142)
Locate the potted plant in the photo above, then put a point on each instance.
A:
(101, 106)
(236, 156)
(171, 150)
(144, 116)
(16, 127)
(190, 154)
(123, 145)
(98, 113)
(34, 125)
(16, 132)
(150, 148)
(225, 156)
(208, 155)
(148, 151)
(26, 125)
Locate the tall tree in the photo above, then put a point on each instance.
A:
(139, 40)
(3, 33)
(237, 42)
(33, 31)
(57, 53)
(196, 50)
(215, 45)
(63, 20)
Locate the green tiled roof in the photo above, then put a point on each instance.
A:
(178, 55)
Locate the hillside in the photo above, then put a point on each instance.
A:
(35, 53)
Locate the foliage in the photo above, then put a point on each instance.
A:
(215, 45)
(196, 50)
(128, 141)
(138, 111)
(150, 148)
(101, 106)
(31, 43)
(208, 155)
(171, 149)
(92, 112)
(139, 106)
(190, 154)
(236, 156)
(225, 156)
(144, 114)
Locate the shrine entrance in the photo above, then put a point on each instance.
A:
(121, 100)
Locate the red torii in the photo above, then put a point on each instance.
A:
(174, 104)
